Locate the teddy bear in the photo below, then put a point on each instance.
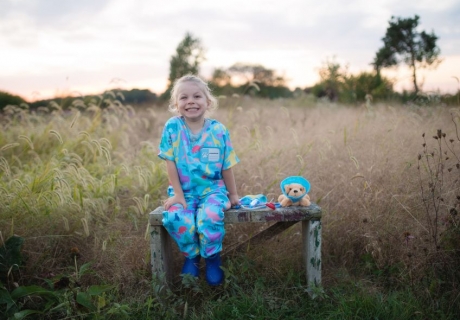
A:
(294, 191)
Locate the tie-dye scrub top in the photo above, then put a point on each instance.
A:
(200, 158)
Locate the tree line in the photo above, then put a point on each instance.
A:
(403, 44)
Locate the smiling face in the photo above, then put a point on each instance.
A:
(191, 102)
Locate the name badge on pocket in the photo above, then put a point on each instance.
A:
(209, 155)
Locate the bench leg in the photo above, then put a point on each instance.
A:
(311, 238)
(160, 253)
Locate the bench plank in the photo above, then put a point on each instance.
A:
(312, 212)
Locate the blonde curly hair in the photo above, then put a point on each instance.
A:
(201, 84)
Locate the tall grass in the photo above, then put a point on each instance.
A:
(86, 178)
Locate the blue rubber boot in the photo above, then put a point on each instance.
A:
(192, 266)
(214, 274)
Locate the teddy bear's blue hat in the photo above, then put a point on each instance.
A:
(295, 179)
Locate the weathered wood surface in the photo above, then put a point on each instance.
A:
(160, 252)
(311, 238)
(312, 212)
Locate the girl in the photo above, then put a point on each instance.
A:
(199, 159)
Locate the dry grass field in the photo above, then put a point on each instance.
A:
(78, 185)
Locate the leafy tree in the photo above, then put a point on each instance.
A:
(137, 96)
(256, 73)
(258, 80)
(187, 60)
(338, 85)
(332, 78)
(365, 84)
(220, 77)
(8, 98)
(404, 44)
(221, 83)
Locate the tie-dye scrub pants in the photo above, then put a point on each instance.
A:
(199, 229)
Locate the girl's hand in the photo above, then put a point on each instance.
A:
(234, 199)
(176, 199)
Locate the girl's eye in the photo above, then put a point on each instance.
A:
(182, 98)
(197, 96)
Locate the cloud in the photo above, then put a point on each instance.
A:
(52, 13)
(105, 39)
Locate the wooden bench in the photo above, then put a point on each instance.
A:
(160, 241)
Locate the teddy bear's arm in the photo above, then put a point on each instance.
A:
(305, 201)
(284, 201)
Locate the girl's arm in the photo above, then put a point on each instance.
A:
(229, 181)
(173, 176)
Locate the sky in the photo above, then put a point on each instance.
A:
(51, 48)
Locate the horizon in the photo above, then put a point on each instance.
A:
(76, 94)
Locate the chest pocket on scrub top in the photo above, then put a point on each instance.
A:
(209, 155)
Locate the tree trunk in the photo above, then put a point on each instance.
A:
(414, 75)
(414, 78)
(412, 64)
